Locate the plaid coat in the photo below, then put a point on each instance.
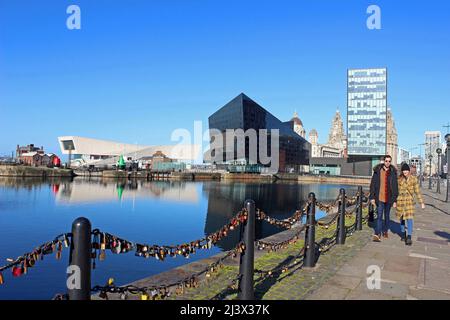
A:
(407, 189)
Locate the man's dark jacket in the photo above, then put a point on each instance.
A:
(392, 184)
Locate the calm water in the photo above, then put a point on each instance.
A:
(35, 211)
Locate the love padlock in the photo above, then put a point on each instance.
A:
(17, 271)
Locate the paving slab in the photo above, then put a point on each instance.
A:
(329, 292)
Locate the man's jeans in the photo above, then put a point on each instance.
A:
(383, 226)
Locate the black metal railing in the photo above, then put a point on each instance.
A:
(87, 246)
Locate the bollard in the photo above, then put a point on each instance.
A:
(341, 219)
(246, 266)
(359, 210)
(80, 256)
(310, 234)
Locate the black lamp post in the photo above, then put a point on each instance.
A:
(447, 138)
(429, 179)
(438, 189)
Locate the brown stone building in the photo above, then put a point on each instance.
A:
(20, 150)
(31, 159)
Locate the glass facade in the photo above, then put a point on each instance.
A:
(366, 111)
(244, 113)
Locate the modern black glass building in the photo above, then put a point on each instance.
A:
(244, 113)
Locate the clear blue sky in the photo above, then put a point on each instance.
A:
(137, 70)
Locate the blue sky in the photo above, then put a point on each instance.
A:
(137, 70)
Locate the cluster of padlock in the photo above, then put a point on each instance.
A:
(28, 260)
(162, 292)
(329, 223)
(286, 223)
(274, 246)
(103, 241)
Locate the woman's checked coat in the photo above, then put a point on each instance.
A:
(408, 189)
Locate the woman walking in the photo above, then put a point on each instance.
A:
(408, 189)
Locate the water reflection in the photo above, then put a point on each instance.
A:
(33, 211)
(103, 190)
(279, 200)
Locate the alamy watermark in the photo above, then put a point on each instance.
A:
(74, 279)
(73, 22)
(374, 277)
(232, 144)
(374, 20)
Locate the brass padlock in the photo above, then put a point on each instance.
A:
(103, 242)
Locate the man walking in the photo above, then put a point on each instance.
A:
(383, 193)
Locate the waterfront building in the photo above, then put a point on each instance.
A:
(335, 147)
(298, 125)
(366, 112)
(244, 113)
(322, 150)
(366, 117)
(20, 150)
(337, 138)
(87, 151)
(432, 142)
(30, 159)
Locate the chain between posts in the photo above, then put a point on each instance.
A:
(165, 290)
(21, 264)
(103, 241)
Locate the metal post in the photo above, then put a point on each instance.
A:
(310, 234)
(438, 188)
(359, 209)
(429, 179)
(447, 138)
(79, 281)
(246, 267)
(341, 219)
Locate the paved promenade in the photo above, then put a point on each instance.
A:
(420, 271)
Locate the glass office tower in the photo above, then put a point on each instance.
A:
(366, 111)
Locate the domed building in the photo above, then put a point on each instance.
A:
(298, 125)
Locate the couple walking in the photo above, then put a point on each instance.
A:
(388, 190)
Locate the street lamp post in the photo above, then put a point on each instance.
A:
(421, 163)
(447, 138)
(438, 189)
(429, 178)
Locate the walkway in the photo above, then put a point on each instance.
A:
(420, 271)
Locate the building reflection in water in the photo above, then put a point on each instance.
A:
(222, 199)
(103, 190)
(279, 200)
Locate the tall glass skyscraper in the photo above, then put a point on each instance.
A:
(366, 111)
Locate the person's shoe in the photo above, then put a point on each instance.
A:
(403, 236)
(376, 238)
(408, 241)
(385, 235)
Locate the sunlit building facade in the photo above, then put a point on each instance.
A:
(366, 111)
